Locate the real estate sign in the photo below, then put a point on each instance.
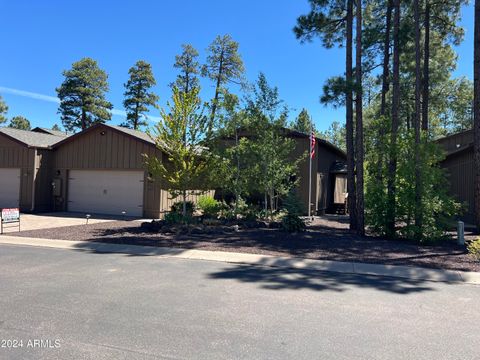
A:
(9, 216)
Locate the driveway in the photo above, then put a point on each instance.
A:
(56, 219)
(114, 306)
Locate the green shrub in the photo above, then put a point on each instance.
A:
(177, 207)
(474, 248)
(293, 223)
(173, 218)
(209, 206)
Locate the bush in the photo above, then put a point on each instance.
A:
(173, 218)
(293, 223)
(474, 248)
(209, 206)
(178, 208)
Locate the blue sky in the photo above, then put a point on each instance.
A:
(42, 38)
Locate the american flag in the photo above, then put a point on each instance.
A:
(312, 145)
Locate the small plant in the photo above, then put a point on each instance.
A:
(172, 218)
(474, 248)
(293, 223)
(178, 208)
(209, 206)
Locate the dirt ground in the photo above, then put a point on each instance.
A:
(327, 238)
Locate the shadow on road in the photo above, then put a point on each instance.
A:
(295, 279)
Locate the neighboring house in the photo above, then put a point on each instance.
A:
(328, 173)
(99, 170)
(51, 132)
(460, 167)
(25, 158)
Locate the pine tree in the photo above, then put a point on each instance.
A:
(82, 96)
(304, 123)
(3, 111)
(56, 127)
(138, 94)
(224, 65)
(188, 65)
(19, 122)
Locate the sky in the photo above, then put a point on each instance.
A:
(40, 39)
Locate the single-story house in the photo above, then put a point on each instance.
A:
(101, 170)
(460, 167)
(25, 158)
(98, 170)
(329, 174)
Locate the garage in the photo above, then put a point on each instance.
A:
(106, 192)
(9, 188)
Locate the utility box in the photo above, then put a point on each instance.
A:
(57, 187)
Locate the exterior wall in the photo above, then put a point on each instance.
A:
(104, 148)
(326, 156)
(43, 180)
(461, 177)
(456, 141)
(302, 147)
(15, 155)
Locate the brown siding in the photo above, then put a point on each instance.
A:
(454, 142)
(104, 148)
(15, 155)
(460, 173)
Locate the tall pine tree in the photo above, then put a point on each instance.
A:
(188, 65)
(138, 94)
(82, 96)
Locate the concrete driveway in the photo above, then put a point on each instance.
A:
(111, 306)
(56, 219)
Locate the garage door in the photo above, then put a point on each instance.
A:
(9, 188)
(106, 192)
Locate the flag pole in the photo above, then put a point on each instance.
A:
(310, 170)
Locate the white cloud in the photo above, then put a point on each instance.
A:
(55, 99)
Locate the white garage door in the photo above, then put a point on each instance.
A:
(106, 192)
(9, 188)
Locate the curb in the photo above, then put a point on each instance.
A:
(404, 272)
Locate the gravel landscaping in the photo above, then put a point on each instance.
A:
(327, 238)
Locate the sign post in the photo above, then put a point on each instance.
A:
(9, 216)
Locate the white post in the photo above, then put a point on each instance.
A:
(460, 233)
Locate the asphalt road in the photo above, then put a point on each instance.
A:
(79, 305)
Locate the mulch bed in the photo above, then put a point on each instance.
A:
(327, 238)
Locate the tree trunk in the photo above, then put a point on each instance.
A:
(417, 123)
(352, 204)
(392, 164)
(84, 119)
(426, 69)
(135, 120)
(359, 123)
(184, 205)
(386, 59)
(476, 110)
(217, 88)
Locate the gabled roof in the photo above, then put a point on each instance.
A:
(318, 140)
(139, 135)
(30, 138)
(51, 132)
(463, 141)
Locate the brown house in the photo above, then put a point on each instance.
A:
(328, 173)
(460, 167)
(25, 158)
(99, 170)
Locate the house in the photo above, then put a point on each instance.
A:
(460, 167)
(25, 159)
(51, 132)
(98, 170)
(328, 173)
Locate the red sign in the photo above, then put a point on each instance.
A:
(10, 215)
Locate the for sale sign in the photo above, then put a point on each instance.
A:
(10, 215)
